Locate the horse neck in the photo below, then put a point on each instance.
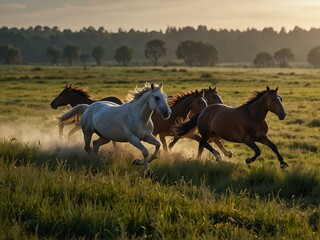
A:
(182, 108)
(76, 99)
(140, 107)
(258, 109)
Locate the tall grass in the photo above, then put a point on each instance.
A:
(51, 190)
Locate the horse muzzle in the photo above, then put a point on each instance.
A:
(53, 106)
(282, 116)
(166, 115)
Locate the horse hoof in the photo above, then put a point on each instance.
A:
(284, 165)
(137, 162)
(248, 160)
(229, 154)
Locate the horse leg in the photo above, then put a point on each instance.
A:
(135, 141)
(225, 151)
(87, 135)
(204, 144)
(164, 142)
(266, 141)
(61, 125)
(173, 142)
(152, 140)
(251, 144)
(73, 130)
(99, 142)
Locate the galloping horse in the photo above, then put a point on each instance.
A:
(129, 122)
(181, 106)
(243, 124)
(73, 96)
(212, 96)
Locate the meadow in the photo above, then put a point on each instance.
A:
(52, 190)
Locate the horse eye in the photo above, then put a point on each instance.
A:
(156, 98)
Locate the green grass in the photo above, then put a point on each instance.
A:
(50, 190)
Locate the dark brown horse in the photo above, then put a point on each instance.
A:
(243, 124)
(183, 106)
(73, 96)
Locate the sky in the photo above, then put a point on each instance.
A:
(159, 14)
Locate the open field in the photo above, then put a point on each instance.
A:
(52, 190)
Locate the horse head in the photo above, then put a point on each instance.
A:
(62, 98)
(212, 95)
(158, 101)
(274, 103)
(198, 103)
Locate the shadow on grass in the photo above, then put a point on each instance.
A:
(300, 184)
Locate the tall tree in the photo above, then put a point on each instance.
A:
(123, 55)
(263, 59)
(154, 50)
(314, 57)
(53, 53)
(197, 53)
(284, 56)
(10, 54)
(98, 53)
(71, 52)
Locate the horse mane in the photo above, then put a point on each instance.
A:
(80, 91)
(256, 95)
(138, 92)
(179, 98)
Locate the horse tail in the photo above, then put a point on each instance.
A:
(72, 115)
(182, 128)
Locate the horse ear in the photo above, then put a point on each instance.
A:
(277, 89)
(215, 89)
(210, 88)
(268, 89)
(152, 86)
(197, 92)
(160, 85)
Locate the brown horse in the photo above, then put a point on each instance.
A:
(243, 124)
(73, 96)
(182, 106)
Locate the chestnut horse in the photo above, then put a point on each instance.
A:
(212, 96)
(181, 106)
(243, 124)
(73, 96)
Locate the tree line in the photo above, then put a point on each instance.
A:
(232, 46)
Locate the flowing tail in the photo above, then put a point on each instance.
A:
(72, 114)
(181, 129)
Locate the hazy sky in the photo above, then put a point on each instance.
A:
(158, 14)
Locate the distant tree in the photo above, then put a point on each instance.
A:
(284, 56)
(263, 59)
(187, 51)
(97, 53)
(53, 53)
(155, 49)
(123, 55)
(71, 52)
(314, 57)
(84, 57)
(197, 53)
(207, 55)
(10, 54)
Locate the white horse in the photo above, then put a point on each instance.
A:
(129, 122)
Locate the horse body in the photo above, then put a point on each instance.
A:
(130, 122)
(243, 124)
(74, 96)
(181, 106)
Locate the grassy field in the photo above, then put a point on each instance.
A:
(53, 190)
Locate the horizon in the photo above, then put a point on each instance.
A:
(142, 15)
